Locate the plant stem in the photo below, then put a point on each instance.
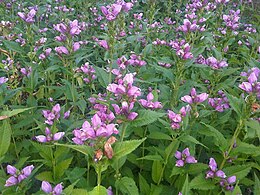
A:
(237, 131)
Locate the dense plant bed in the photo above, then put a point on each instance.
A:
(138, 97)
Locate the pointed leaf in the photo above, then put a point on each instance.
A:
(200, 183)
(80, 148)
(5, 137)
(126, 147)
(146, 117)
(127, 186)
(144, 186)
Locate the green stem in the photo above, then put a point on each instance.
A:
(99, 175)
(237, 132)
(123, 132)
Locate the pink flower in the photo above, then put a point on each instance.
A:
(194, 98)
(184, 157)
(47, 188)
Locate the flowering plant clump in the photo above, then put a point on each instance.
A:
(129, 97)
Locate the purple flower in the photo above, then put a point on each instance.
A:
(26, 71)
(149, 102)
(252, 86)
(104, 44)
(227, 183)
(17, 176)
(182, 49)
(111, 11)
(125, 110)
(125, 87)
(214, 172)
(188, 26)
(49, 136)
(52, 115)
(219, 103)
(184, 157)
(194, 98)
(62, 50)
(3, 80)
(109, 191)
(91, 131)
(176, 119)
(47, 188)
(29, 17)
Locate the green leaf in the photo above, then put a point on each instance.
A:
(80, 192)
(124, 148)
(257, 185)
(200, 183)
(5, 137)
(14, 112)
(98, 190)
(69, 190)
(177, 171)
(13, 46)
(211, 131)
(198, 51)
(188, 139)
(186, 189)
(196, 168)
(144, 186)
(151, 157)
(103, 76)
(62, 167)
(146, 117)
(216, 53)
(45, 176)
(240, 171)
(148, 49)
(159, 135)
(246, 148)
(254, 125)
(235, 103)
(157, 169)
(87, 150)
(127, 186)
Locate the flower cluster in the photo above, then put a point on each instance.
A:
(149, 103)
(89, 72)
(176, 119)
(188, 26)
(3, 80)
(17, 176)
(219, 103)
(29, 17)
(72, 29)
(212, 62)
(125, 110)
(47, 188)
(111, 11)
(184, 157)
(49, 137)
(182, 49)
(214, 172)
(194, 98)
(45, 54)
(232, 20)
(135, 60)
(26, 71)
(97, 128)
(125, 94)
(252, 86)
(125, 88)
(227, 183)
(52, 115)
